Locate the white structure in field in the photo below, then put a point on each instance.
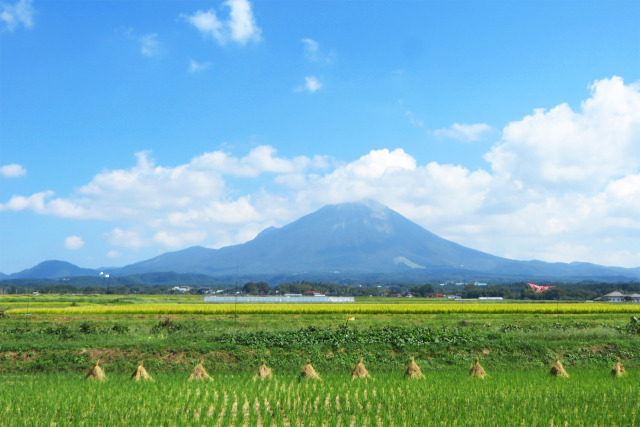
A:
(278, 299)
(619, 297)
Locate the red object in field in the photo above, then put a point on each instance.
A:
(538, 289)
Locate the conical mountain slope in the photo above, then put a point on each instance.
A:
(344, 238)
(352, 241)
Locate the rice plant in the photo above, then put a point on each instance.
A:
(531, 397)
(350, 308)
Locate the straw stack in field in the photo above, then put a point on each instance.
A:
(141, 374)
(359, 371)
(413, 370)
(477, 370)
(96, 373)
(557, 369)
(618, 369)
(199, 373)
(308, 372)
(263, 372)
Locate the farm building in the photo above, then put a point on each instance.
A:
(619, 297)
(313, 294)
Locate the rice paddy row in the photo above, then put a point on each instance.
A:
(588, 397)
(349, 308)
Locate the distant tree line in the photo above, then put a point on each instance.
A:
(148, 284)
(331, 289)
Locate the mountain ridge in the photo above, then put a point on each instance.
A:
(346, 241)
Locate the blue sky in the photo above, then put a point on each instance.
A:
(132, 128)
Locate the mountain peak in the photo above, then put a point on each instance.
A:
(344, 241)
(53, 269)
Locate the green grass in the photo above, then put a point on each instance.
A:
(57, 343)
(43, 358)
(449, 397)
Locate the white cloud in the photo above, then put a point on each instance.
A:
(43, 204)
(12, 171)
(180, 239)
(529, 205)
(207, 23)
(465, 132)
(313, 53)
(146, 189)
(240, 27)
(260, 160)
(311, 84)
(196, 67)
(73, 242)
(242, 23)
(17, 15)
(431, 192)
(126, 238)
(413, 120)
(311, 48)
(561, 148)
(149, 45)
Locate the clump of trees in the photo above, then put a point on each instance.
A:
(331, 289)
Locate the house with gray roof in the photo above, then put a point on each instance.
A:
(619, 297)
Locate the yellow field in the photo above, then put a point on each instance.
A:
(355, 308)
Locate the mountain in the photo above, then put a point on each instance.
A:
(347, 242)
(53, 269)
(351, 240)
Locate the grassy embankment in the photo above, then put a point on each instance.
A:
(66, 333)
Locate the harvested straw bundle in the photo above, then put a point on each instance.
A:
(141, 374)
(308, 372)
(618, 369)
(477, 370)
(557, 369)
(359, 371)
(263, 372)
(413, 370)
(199, 373)
(96, 373)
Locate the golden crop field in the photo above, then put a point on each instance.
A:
(349, 308)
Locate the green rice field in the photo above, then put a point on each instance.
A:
(48, 343)
(513, 398)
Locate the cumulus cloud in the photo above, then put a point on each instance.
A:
(170, 205)
(560, 148)
(12, 171)
(311, 84)
(422, 192)
(544, 196)
(465, 132)
(240, 27)
(43, 203)
(73, 242)
(17, 15)
(146, 188)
